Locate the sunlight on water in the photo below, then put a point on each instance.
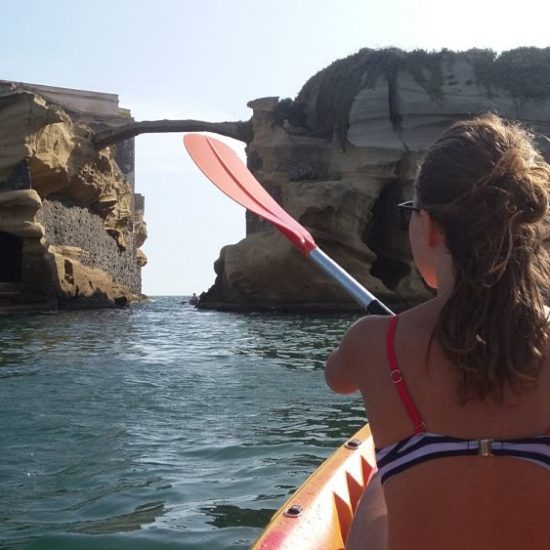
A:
(161, 425)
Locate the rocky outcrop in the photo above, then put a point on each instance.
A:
(344, 153)
(66, 210)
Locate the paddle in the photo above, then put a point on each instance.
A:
(221, 165)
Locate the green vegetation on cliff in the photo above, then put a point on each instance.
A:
(524, 72)
(323, 105)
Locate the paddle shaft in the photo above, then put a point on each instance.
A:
(358, 292)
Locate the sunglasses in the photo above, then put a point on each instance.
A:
(405, 211)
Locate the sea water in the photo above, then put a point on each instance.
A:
(161, 426)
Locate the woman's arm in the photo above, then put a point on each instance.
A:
(362, 343)
(339, 374)
(341, 369)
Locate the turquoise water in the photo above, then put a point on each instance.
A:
(160, 426)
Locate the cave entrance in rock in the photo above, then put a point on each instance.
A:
(11, 256)
(386, 239)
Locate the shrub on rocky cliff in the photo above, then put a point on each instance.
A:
(327, 97)
(292, 111)
(524, 72)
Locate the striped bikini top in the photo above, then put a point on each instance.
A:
(423, 445)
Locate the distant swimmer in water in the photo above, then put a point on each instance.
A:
(194, 300)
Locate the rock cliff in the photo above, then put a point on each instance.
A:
(68, 226)
(343, 153)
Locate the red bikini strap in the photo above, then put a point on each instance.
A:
(397, 379)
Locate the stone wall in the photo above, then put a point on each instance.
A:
(69, 225)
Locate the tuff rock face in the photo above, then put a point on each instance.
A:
(345, 151)
(66, 216)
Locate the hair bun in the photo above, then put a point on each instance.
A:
(533, 190)
(534, 211)
(524, 178)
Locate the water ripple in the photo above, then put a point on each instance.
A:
(161, 425)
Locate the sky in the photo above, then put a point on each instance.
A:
(179, 59)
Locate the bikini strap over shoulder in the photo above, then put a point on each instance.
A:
(398, 381)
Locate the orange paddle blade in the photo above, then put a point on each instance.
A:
(221, 165)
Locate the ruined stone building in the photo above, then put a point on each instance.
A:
(70, 222)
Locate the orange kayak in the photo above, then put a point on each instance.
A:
(319, 514)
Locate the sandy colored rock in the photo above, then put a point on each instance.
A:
(61, 156)
(21, 116)
(17, 213)
(79, 284)
(140, 231)
(141, 258)
(49, 159)
(342, 155)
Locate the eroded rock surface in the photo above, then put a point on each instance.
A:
(65, 209)
(344, 153)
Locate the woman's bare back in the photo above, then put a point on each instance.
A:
(457, 502)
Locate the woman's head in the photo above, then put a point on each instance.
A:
(485, 185)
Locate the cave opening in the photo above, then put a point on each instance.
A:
(11, 256)
(384, 236)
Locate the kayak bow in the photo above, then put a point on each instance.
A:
(319, 514)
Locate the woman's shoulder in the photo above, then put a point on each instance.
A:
(362, 355)
(346, 365)
(372, 331)
(365, 340)
(367, 328)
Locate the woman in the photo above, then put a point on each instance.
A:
(457, 390)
